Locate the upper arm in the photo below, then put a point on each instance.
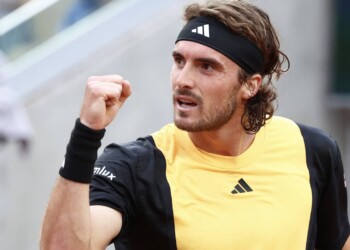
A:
(347, 244)
(106, 224)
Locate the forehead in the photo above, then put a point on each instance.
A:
(194, 50)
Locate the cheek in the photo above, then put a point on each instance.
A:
(217, 94)
(213, 96)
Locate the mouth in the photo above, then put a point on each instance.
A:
(185, 103)
(185, 100)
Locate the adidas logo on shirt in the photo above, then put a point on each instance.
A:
(241, 187)
(202, 30)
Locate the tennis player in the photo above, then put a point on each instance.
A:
(226, 174)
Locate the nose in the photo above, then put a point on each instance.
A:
(184, 77)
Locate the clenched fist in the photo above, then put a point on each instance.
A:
(104, 96)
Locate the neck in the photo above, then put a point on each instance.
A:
(228, 140)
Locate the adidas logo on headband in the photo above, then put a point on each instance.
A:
(202, 30)
(229, 43)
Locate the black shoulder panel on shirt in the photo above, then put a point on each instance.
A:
(318, 140)
(321, 152)
(329, 226)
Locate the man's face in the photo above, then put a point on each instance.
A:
(205, 87)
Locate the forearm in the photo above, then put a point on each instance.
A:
(67, 223)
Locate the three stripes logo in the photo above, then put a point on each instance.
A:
(202, 30)
(241, 187)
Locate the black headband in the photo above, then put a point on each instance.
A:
(214, 34)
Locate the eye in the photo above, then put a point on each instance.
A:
(179, 61)
(207, 66)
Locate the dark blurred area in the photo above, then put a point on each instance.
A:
(341, 65)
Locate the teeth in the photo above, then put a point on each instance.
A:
(187, 104)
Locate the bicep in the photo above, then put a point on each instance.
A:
(106, 224)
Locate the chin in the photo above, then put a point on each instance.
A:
(183, 125)
(198, 126)
(188, 126)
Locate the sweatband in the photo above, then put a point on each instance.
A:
(81, 153)
(208, 31)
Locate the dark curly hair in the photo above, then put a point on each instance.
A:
(254, 24)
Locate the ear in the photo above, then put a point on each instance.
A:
(253, 84)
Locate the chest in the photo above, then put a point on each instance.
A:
(266, 205)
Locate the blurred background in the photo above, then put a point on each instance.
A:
(48, 48)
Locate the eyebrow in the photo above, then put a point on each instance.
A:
(208, 60)
(177, 54)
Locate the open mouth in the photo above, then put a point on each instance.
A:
(186, 103)
(185, 100)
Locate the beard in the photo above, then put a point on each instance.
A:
(211, 118)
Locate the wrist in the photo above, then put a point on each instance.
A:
(91, 125)
(81, 153)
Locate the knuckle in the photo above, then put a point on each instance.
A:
(119, 78)
(91, 84)
(94, 87)
(91, 79)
